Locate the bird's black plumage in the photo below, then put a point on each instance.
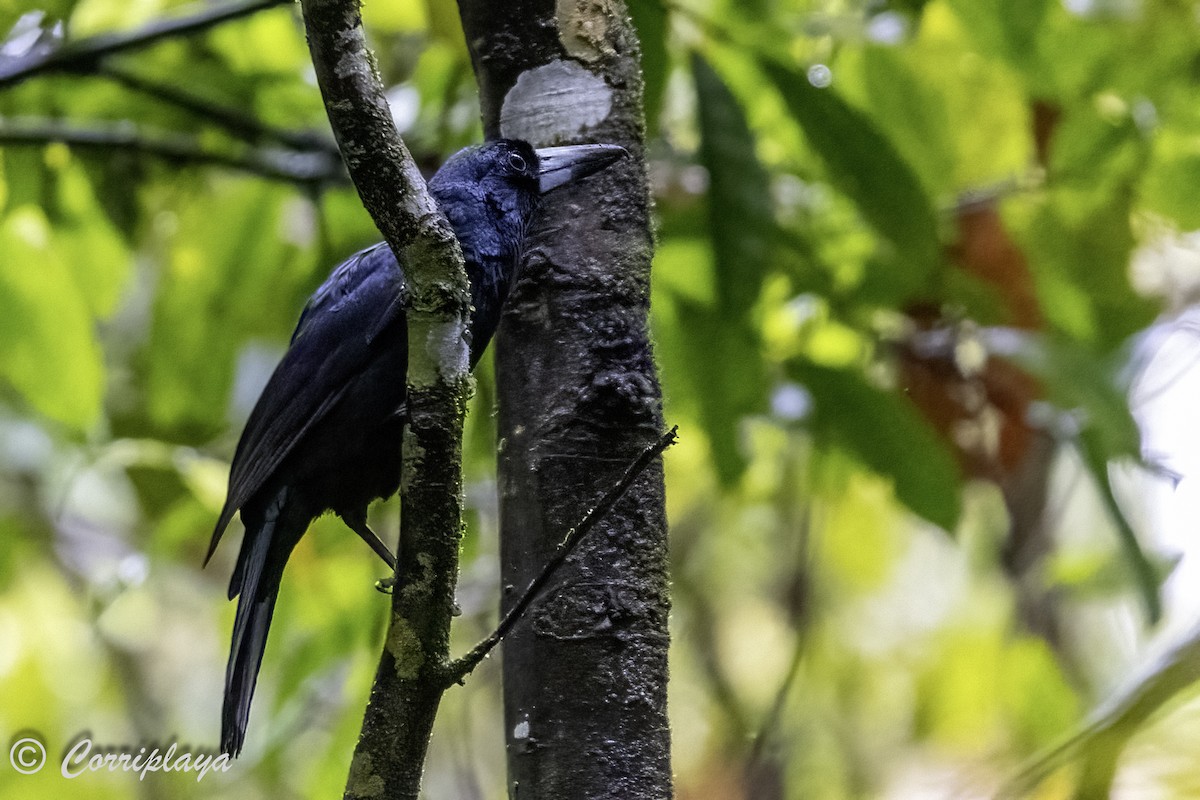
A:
(324, 435)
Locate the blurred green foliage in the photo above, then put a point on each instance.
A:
(862, 207)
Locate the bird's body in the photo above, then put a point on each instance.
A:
(325, 433)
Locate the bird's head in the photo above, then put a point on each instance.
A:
(489, 194)
(513, 168)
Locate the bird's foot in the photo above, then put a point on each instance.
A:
(386, 585)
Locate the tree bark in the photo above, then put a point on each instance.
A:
(585, 670)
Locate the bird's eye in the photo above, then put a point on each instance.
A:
(516, 162)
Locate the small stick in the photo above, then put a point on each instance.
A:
(300, 168)
(460, 668)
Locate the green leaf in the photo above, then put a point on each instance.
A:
(1102, 737)
(444, 23)
(728, 378)
(48, 351)
(1172, 188)
(1006, 28)
(91, 246)
(1087, 383)
(392, 18)
(866, 166)
(913, 111)
(741, 216)
(887, 434)
(266, 42)
(1079, 378)
(26, 176)
(1083, 242)
(1147, 577)
(722, 345)
(230, 275)
(650, 20)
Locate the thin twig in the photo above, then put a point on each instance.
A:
(1109, 727)
(803, 617)
(460, 668)
(84, 53)
(237, 123)
(302, 168)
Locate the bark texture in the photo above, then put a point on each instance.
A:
(585, 670)
(413, 670)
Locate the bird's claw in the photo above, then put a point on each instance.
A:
(386, 585)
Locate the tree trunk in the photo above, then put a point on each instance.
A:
(585, 672)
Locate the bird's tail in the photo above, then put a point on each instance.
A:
(256, 584)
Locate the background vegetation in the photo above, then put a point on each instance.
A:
(905, 253)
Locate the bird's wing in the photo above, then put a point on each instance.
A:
(333, 341)
(345, 280)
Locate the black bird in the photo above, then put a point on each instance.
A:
(325, 433)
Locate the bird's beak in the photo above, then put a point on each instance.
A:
(559, 166)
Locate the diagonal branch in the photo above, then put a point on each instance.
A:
(84, 53)
(235, 122)
(301, 168)
(462, 667)
(1102, 737)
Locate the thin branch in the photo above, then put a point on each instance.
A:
(803, 523)
(702, 633)
(462, 667)
(389, 757)
(1101, 738)
(301, 168)
(84, 53)
(236, 122)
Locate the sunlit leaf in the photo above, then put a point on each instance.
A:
(887, 434)
(866, 166)
(266, 42)
(231, 273)
(1007, 28)
(394, 17)
(913, 112)
(1083, 243)
(1172, 188)
(91, 247)
(1087, 386)
(48, 351)
(1101, 739)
